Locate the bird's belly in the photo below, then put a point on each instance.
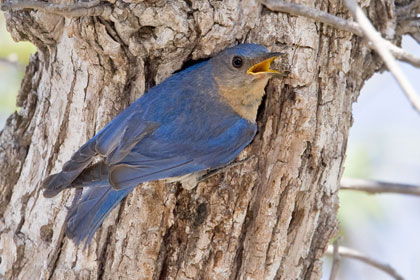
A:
(188, 181)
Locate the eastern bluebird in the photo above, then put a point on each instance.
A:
(197, 119)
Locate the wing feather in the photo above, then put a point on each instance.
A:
(190, 157)
(114, 142)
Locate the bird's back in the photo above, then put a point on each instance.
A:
(197, 130)
(180, 126)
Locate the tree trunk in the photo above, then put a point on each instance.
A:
(270, 217)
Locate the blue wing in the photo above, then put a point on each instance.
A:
(114, 142)
(143, 164)
(195, 132)
(88, 213)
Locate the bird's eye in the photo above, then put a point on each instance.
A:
(237, 62)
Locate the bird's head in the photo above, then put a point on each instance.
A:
(241, 73)
(244, 64)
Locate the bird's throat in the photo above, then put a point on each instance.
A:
(246, 100)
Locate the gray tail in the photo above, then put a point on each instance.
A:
(88, 212)
(55, 183)
(98, 199)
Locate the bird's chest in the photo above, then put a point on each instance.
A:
(245, 100)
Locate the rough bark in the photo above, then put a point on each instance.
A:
(268, 218)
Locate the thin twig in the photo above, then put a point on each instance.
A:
(416, 36)
(339, 23)
(408, 26)
(48, 7)
(92, 8)
(350, 253)
(399, 53)
(409, 9)
(315, 14)
(392, 65)
(224, 168)
(15, 64)
(375, 187)
(335, 260)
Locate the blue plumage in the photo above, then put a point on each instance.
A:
(188, 123)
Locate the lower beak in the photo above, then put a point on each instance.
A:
(263, 66)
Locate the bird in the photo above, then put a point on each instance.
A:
(197, 120)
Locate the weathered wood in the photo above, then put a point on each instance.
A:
(268, 218)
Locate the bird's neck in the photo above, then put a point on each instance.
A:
(245, 101)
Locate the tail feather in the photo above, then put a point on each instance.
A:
(55, 183)
(87, 214)
(97, 200)
(92, 176)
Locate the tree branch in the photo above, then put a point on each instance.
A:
(336, 22)
(224, 168)
(315, 14)
(92, 8)
(409, 9)
(350, 253)
(14, 64)
(335, 260)
(375, 187)
(370, 32)
(408, 26)
(415, 36)
(399, 53)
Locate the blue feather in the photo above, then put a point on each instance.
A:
(180, 126)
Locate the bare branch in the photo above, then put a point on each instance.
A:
(335, 261)
(350, 253)
(92, 8)
(339, 23)
(375, 187)
(409, 9)
(315, 14)
(400, 54)
(392, 65)
(408, 26)
(416, 36)
(224, 168)
(10, 63)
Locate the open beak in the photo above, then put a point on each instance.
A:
(263, 64)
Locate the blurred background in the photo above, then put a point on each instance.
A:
(13, 59)
(384, 144)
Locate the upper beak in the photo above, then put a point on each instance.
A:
(263, 63)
